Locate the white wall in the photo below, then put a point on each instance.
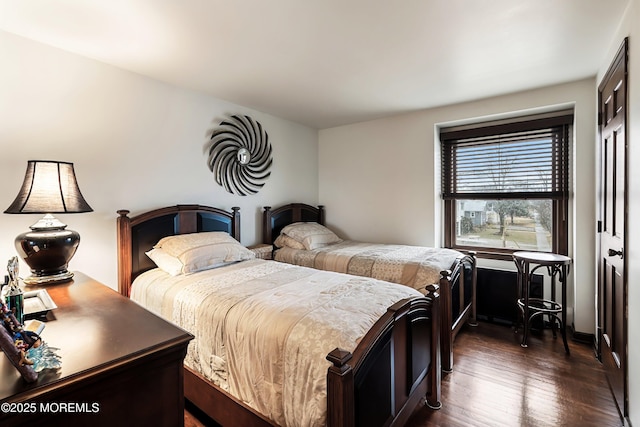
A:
(136, 143)
(629, 28)
(380, 181)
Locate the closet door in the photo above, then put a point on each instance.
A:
(612, 278)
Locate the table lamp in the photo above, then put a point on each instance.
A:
(49, 187)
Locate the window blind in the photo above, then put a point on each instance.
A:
(524, 160)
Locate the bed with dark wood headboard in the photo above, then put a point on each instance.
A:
(395, 366)
(457, 282)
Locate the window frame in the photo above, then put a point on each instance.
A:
(562, 122)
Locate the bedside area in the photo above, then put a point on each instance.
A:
(262, 250)
(121, 365)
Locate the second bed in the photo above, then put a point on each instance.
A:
(299, 237)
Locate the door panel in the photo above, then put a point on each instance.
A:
(612, 280)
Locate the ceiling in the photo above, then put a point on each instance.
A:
(325, 63)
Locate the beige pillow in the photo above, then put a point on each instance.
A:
(285, 241)
(165, 262)
(311, 234)
(201, 251)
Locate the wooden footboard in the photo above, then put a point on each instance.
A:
(458, 303)
(395, 366)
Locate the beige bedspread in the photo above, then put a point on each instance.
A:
(414, 266)
(263, 328)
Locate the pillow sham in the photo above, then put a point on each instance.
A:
(283, 241)
(311, 234)
(202, 251)
(165, 262)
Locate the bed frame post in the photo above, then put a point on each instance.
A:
(473, 321)
(321, 214)
(124, 252)
(447, 317)
(434, 391)
(266, 226)
(340, 390)
(466, 312)
(236, 222)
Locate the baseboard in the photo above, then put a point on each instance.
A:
(582, 337)
(496, 320)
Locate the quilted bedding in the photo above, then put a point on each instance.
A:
(413, 266)
(263, 328)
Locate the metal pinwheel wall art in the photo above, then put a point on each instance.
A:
(240, 155)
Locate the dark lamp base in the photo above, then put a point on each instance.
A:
(47, 253)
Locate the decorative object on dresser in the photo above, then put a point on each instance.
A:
(393, 367)
(13, 294)
(240, 155)
(19, 342)
(122, 365)
(415, 266)
(49, 187)
(15, 341)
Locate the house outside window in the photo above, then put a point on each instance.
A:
(505, 185)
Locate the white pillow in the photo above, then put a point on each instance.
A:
(202, 251)
(311, 234)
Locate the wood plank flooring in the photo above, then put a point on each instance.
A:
(497, 383)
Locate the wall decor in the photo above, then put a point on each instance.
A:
(240, 155)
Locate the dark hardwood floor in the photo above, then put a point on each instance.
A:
(497, 383)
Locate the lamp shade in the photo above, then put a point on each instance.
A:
(49, 187)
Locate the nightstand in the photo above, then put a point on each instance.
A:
(121, 364)
(262, 251)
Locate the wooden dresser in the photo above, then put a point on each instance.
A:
(121, 365)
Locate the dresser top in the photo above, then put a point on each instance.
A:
(95, 329)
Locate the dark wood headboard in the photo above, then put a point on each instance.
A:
(275, 220)
(137, 235)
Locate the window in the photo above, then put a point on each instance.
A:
(505, 185)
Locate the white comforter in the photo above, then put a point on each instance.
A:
(264, 328)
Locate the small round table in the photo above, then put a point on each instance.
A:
(557, 266)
